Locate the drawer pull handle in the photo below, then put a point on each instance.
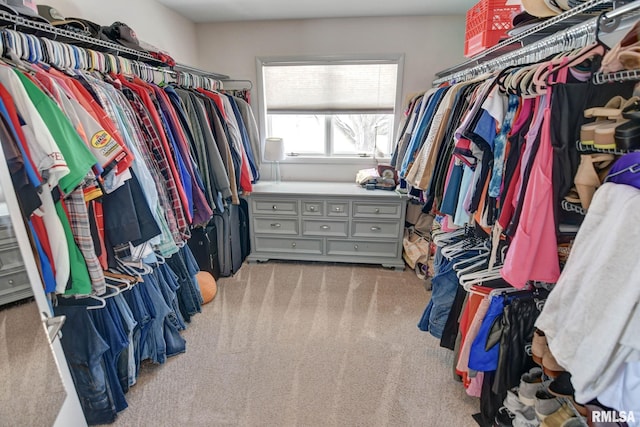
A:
(376, 228)
(276, 225)
(338, 209)
(377, 210)
(274, 207)
(325, 227)
(293, 244)
(355, 247)
(312, 208)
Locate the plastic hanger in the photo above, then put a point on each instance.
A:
(128, 284)
(635, 168)
(115, 291)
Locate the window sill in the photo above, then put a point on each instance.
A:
(300, 160)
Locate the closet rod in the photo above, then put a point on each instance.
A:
(19, 21)
(99, 45)
(570, 38)
(478, 59)
(198, 72)
(249, 82)
(31, 48)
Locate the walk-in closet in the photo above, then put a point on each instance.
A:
(287, 213)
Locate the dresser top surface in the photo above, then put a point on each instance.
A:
(321, 189)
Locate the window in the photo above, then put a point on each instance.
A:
(331, 107)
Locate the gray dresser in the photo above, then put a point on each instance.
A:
(14, 281)
(326, 221)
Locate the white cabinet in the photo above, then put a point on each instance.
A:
(332, 222)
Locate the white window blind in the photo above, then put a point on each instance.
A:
(330, 88)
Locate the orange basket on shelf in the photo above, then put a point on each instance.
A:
(487, 22)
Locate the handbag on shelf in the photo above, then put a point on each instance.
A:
(416, 248)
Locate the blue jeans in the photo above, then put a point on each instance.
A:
(111, 330)
(444, 286)
(143, 319)
(193, 268)
(83, 348)
(443, 291)
(129, 323)
(168, 283)
(174, 343)
(188, 295)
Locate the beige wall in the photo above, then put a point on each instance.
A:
(430, 43)
(154, 23)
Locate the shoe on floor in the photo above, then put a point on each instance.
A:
(504, 418)
(561, 386)
(530, 383)
(512, 401)
(573, 422)
(546, 404)
(526, 418)
(559, 417)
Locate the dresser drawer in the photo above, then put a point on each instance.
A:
(376, 210)
(6, 230)
(10, 256)
(337, 208)
(276, 226)
(281, 245)
(375, 229)
(362, 249)
(318, 227)
(13, 279)
(275, 206)
(312, 208)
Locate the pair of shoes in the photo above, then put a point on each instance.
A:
(538, 346)
(504, 418)
(592, 171)
(627, 135)
(558, 418)
(530, 383)
(542, 355)
(562, 387)
(573, 422)
(622, 55)
(601, 114)
(512, 402)
(604, 135)
(526, 418)
(546, 404)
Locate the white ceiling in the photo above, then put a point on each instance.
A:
(249, 10)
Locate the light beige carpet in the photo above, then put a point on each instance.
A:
(290, 344)
(32, 392)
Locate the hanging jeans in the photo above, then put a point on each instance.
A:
(112, 332)
(169, 287)
(129, 323)
(444, 286)
(143, 319)
(188, 295)
(83, 348)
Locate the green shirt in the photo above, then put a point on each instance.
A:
(77, 156)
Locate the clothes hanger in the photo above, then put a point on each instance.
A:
(122, 284)
(103, 303)
(470, 261)
(478, 277)
(115, 291)
(471, 243)
(635, 168)
(578, 57)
